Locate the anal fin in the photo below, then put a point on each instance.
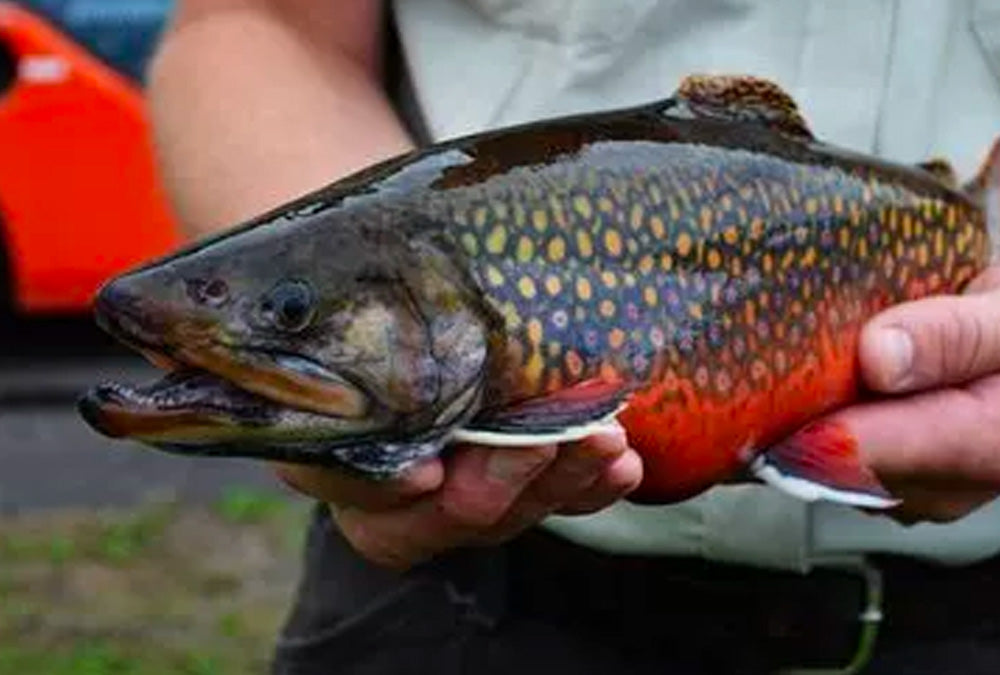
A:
(820, 462)
(567, 415)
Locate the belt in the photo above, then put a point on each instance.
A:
(728, 618)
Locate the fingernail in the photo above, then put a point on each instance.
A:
(895, 351)
(514, 465)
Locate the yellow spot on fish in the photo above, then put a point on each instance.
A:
(907, 225)
(757, 228)
(583, 289)
(609, 279)
(714, 259)
(856, 215)
(526, 285)
(470, 243)
(584, 244)
(657, 227)
(838, 205)
(695, 311)
(684, 243)
(534, 331)
(607, 309)
(636, 216)
(787, 259)
(540, 219)
(736, 267)
(675, 211)
(862, 247)
(583, 207)
(519, 215)
(557, 249)
(511, 316)
(654, 193)
(844, 237)
(558, 214)
(951, 218)
(500, 210)
(705, 218)
(923, 255)
(809, 257)
(938, 243)
(666, 262)
(496, 240)
(525, 249)
(613, 242)
(479, 217)
(650, 296)
(768, 263)
(606, 205)
(494, 276)
(812, 206)
(552, 284)
(730, 235)
(646, 264)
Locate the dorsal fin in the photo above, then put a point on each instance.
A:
(942, 169)
(743, 98)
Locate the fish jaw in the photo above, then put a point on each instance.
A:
(215, 392)
(180, 340)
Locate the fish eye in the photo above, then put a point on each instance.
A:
(290, 305)
(213, 293)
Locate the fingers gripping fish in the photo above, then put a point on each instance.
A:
(698, 268)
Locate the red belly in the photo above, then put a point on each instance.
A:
(695, 431)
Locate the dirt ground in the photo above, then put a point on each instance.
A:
(165, 588)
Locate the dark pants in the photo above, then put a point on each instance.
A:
(541, 605)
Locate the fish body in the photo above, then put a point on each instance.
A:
(699, 268)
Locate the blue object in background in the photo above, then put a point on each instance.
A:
(122, 33)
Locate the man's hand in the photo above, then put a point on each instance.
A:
(476, 496)
(937, 445)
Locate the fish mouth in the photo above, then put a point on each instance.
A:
(219, 394)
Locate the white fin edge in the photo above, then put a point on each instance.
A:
(504, 439)
(809, 491)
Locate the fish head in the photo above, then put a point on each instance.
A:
(318, 331)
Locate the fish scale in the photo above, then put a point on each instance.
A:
(699, 268)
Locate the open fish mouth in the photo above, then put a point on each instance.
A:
(215, 393)
(186, 404)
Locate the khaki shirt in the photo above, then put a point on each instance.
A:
(905, 79)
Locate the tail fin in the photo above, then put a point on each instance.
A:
(985, 188)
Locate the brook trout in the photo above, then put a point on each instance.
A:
(698, 268)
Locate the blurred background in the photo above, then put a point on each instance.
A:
(113, 558)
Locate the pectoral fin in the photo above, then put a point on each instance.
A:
(567, 415)
(820, 463)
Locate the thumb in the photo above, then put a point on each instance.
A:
(932, 342)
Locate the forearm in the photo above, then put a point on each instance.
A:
(248, 111)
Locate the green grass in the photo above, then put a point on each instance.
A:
(166, 588)
(103, 658)
(243, 505)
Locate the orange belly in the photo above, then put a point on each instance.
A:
(695, 431)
